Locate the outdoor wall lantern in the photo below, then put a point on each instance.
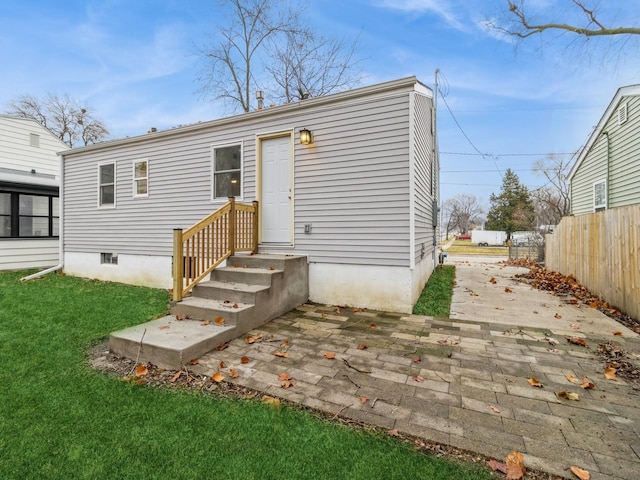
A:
(305, 137)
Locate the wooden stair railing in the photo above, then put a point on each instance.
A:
(202, 247)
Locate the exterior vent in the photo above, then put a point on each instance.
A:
(622, 114)
(34, 140)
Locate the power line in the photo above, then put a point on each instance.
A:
(507, 154)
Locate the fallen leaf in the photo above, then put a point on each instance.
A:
(507, 290)
(244, 360)
(553, 350)
(515, 465)
(577, 341)
(164, 327)
(271, 400)
(205, 323)
(474, 294)
(222, 364)
(194, 361)
(492, 280)
(175, 378)
(233, 373)
(587, 384)
(573, 301)
(497, 466)
(534, 382)
(181, 316)
(252, 339)
(221, 347)
(364, 399)
(287, 384)
(553, 341)
(594, 304)
(272, 268)
(219, 321)
(362, 346)
(499, 308)
(572, 379)
(417, 359)
(568, 395)
(575, 326)
(330, 355)
(372, 325)
(580, 473)
(495, 409)
(610, 373)
(217, 377)
(284, 376)
(235, 305)
(355, 310)
(418, 379)
(455, 342)
(557, 315)
(282, 354)
(394, 433)
(618, 333)
(337, 310)
(141, 371)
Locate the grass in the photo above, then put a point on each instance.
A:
(465, 247)
(435, 299)
(60, 419)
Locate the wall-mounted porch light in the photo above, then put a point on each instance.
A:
(305, 137)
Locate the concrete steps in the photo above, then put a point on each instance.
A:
(250, 291)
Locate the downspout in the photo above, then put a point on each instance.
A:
(608, 162)
(60, 232)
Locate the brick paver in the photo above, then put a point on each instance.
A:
(462, 383)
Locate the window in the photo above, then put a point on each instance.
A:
(25, 215)
(106, 184)
(622, 114)
(109, 258)
(600, 195)
(34, 139)
(227, 171)
(140, 179)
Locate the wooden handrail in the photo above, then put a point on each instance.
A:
(205, 245)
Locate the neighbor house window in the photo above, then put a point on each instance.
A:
(28, 215)
(106, 184)
(140, 178)
(600, 195)
(227, 171)
(109, 258)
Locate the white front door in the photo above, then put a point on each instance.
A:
(276, 190)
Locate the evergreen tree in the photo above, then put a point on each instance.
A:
(513, 209)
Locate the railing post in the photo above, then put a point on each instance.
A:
(255, 227)
(232, 226)
(178, 264)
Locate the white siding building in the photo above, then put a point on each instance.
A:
(359, 201)
(29, 181)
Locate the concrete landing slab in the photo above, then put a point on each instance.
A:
(168, 342)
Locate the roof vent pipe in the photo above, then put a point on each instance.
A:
(260, 97)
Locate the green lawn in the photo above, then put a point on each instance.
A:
(59, 419)
(435, 299)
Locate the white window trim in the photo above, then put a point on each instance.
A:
(115, 177)
(603, 205)
(213, 170)
(133, 168)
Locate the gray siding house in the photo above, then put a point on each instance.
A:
(607, 172)
(360, 201)
(29, 182)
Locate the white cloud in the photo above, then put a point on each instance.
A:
(441, 8)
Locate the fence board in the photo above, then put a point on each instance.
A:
(602, 251)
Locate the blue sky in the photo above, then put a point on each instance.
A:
(135, 63)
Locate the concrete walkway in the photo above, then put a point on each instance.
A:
(461, 382)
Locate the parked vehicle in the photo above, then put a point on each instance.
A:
(464, 236)
(484, 238)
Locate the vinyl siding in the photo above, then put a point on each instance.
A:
(26, 253)
(624, 167)
(352, 184)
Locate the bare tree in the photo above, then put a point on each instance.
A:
(552, 200)
(63, 116)
(524, 24)
(265, 42)
(462, 212)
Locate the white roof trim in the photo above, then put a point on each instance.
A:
(627, 91)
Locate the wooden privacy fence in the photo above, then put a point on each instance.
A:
(602, 251)
(202, 247)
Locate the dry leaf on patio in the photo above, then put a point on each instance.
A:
(594, 304)
(494, 409)
(418, 379)
(507, 290)
(205, 323)
(364, 399)
(194, 361)
(337, 310)
(474, 294)
(553, 350)
(568, 395)
(417, 359)
(235, 305)
(553, 341)
(330, 355)
(163, 327)
(618, 333)
(499, 308)
(287, 384)
(355, 310)
(141, 371)
(175, 378)
(515, 466)
(534, 382)
(221, 347)
(217, 377)
(271, 400)
(244, 360)
(219, 321)
(284, 376)
(233, 373)
(252, 339)
(222, 364)
(362, 346)
(282, 354)
(181, 316)
(557, 315)
(575, 326)
(587, 384)
(572, 378)
(443, 342)
(372, 325)
(492, 280)
(394, 433)
(577, 341)
(497, 466)
(580, 473)
(610, 373)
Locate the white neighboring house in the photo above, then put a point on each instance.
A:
(29, 185)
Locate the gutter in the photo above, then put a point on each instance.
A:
(60, 233)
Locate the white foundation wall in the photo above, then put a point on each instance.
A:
(364, 286)
(420, 275)
(149, 271)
